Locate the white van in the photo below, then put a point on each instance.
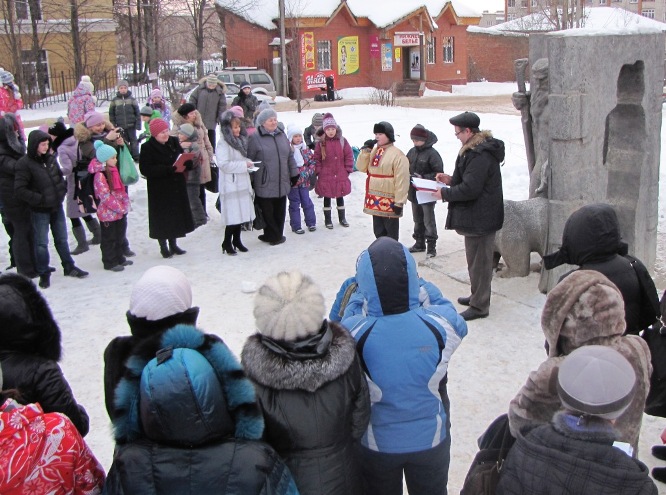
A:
(259, 79)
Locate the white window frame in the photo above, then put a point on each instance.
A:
(324, 55)
(431, 50)
(448, 50)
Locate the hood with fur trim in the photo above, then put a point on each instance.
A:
(220, 84)
(83, 134)
(484, 141)
(26, 322)
(278, 371)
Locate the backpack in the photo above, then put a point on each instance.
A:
(84, 186)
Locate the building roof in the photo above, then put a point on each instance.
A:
(599, 20)
(381, 13)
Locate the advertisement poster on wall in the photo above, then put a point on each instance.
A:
(308, 51)
(317, 79)
(387, 57)
(375, 52)
(398, 53)
(347, 55)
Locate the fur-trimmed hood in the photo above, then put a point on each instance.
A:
(484, 141)
(220, 84)
(240, 396)
(10, 143)
(83, 134)
(277, 371)
(26, 322)
(179, 120)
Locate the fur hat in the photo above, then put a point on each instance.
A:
(466, 120)
(156, 93)
(122, 82)
(289, 307)
(186, 108)
(91, 119)
(328, 121)
(104, 152)
(211, 79)
(419, 133)
(245, 84)
(596, 380)
(160, 292)
(189, 132)
(266, 114)
(585, 303)
(147, 111)
(237, 111)
(386, 129)
(317, 120)
(57, 129)
(293, 130)
(158, 125)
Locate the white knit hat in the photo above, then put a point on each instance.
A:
(293, 130)
(160, 292)
(289, 307)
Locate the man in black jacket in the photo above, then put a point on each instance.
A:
(39, 183)
(476, 206)
(124, 113)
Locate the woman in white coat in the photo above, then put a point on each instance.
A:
(236, 195)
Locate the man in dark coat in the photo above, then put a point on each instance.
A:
(30, 350)
(210, 100)
(169, 213)
(124, 113)
(40, 184)
(425, 163)
(476, 206)
(591, 239)
(577, 453)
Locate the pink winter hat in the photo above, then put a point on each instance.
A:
(156, 93)
(91, 119)
(328, 121)
(237, 111)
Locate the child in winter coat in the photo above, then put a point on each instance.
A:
(147, 114)
(112, 208)
(299, 196)
(157, 102)
(334, 162)
(189, 137)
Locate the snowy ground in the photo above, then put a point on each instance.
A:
(485, 372)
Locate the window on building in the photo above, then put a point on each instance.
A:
(448, 50)
(535, 3)
(30, 68)
(323, 55)
(512, 4)
(430, 50)
(22, 8)
(511, 17)
(649, 13)
(633, 1)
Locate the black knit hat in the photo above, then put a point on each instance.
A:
(466, 120)
(57, 129)
(384, 128)
(186, 108)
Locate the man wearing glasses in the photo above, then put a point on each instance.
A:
(476, 206)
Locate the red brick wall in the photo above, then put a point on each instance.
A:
(247, 44)
(491, 56)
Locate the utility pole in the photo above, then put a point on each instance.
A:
(283, 51)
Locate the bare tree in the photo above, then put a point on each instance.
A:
(12, 41)
(553, 15)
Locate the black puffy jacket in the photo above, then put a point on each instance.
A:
(30, 350)
(424, 161)
(12, 147)
(315, 408)
(39, 181)
(476, 201)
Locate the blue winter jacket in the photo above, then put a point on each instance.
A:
(406, 332)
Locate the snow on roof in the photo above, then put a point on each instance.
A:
(381, 13)
(598, 20)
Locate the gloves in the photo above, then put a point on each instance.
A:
(293, 180)
(397, 210)
(370, 143)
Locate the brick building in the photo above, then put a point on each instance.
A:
(359, 42)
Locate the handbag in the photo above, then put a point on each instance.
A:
(484, 473)
(213, 185)
(258, 223)
(126, 167)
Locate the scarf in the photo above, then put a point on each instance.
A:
(114, 183)
(377, 157)
(298, 154)
(238, 143)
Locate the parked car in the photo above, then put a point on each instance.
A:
(259, 79)
(231, 93)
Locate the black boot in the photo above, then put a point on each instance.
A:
(432, 248)
(327, 217)
(173, 247)
(236, 239)
(418, 247)
(45, 280)
(341, 216)
(659, 473)
(164, 249)
(226, 244)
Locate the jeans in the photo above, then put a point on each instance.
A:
(425, 225)
(300, 197)
(41, 221)
(385, 226)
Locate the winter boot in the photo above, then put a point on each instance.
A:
(173, 247)
(341, 216)
(236, 242)
(82, 242)
(327, 218)
(164, 249)
(45, 280)
(418, 247)
(226, 243)
(95, 230)
(432, 248)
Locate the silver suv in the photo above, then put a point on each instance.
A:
(259, 79)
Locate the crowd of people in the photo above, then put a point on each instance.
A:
(350, 404)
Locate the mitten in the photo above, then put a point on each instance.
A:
(293, 180)
(397, 210)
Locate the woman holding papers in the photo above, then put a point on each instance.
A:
(169, 214)
(424, 163)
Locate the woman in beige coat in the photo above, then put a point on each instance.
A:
(585, 308)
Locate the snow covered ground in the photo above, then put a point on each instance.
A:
(486, 371)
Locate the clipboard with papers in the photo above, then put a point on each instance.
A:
(425, 189)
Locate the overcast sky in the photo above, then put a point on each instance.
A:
(481, 5)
